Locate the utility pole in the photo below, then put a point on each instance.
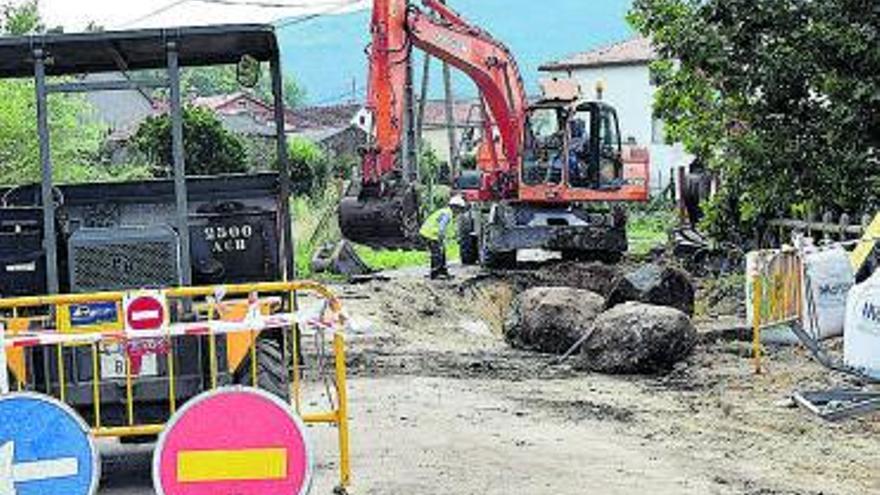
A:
(426, 75)
(423, 101)
(450, 121)
(411, 152)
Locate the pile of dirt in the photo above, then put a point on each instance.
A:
(638, 338)
(655, 284)
(551, 319)
(595, 277)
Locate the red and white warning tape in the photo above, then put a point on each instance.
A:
(200, 328)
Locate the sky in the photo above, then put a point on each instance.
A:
(74, 15)
(535, 33)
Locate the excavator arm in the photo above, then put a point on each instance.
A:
(485, 60)
(384, 210)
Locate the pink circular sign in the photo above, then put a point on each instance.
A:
(233, 441)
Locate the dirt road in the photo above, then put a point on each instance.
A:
(439, 405)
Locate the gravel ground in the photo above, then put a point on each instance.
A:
(439, 404)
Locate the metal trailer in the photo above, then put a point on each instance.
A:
(79, 238)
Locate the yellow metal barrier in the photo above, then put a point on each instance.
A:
(211, 319)
(775, 284)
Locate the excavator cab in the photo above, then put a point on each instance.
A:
(573, 145)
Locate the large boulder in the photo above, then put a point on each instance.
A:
(654, 284)
(551, 319)
(638, 338)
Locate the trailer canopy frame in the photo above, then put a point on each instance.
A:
(44, 55)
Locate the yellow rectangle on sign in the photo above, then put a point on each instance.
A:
(230, 465)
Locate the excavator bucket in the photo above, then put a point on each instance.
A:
(387, 221)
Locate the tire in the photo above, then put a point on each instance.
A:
(272, 375)
(468, 244)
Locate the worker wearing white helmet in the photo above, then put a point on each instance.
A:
(434, 232)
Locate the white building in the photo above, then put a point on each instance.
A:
(623, 70)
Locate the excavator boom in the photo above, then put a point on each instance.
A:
(382, 211)
(542, 168)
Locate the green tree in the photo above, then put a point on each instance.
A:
(20, 19)
(780, 97)
(209, 149)
(222, 79)
(75, 137)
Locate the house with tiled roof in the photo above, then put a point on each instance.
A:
(244, 113)
(336, 126)
(330, 126)
(620, 75)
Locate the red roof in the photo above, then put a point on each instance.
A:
(324, 117)
(464, 112)
(338, 116)
(241, 103)
(629, 52)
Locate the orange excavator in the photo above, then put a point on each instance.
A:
(550, 174)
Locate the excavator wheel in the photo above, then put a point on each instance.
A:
(468, 243)
(387, 221)
(499, 260)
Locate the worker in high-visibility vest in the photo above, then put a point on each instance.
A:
(434, 232)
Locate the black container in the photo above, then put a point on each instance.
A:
(234, 246)
(22, 264)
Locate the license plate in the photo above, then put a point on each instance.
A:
(113, 363)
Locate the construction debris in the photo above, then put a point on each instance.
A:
(339, 259)
(551, 319)
(655, 284)
(638, 338)
(836, 405)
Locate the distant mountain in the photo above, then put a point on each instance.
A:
(326, 55)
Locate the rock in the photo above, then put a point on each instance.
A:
(551, 319)
(339, 259)
(638, 338)
(655, 284)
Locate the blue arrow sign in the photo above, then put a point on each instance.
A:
(45, 448)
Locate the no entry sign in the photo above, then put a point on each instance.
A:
(145, 311)
(45, 448)
(233, 441)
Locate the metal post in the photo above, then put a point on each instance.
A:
(757, 296)
(4, 375)
(283, 167)
(342, 411)
(49, 242)
(179, 165)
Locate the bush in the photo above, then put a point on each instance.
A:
(779, 97)
(310, 169)
(209, 149)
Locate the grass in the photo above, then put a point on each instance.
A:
(647, 230)
(388, 259)
(314, 224)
